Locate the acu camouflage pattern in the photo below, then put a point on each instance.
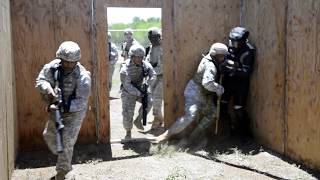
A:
(199, 100)
(126, 47)
(112, 62)
(155, 58)
(80, 81)
(132, 74)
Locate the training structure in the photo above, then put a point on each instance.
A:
(8, 135)
(284, 93)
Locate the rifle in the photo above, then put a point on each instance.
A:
(144, 100)
(57, 114)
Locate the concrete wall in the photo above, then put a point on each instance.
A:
(7, 95)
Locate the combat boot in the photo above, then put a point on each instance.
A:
(60, 175)
(128, 134)
(138, 124)
(157, 123)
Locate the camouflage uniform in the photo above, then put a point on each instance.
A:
(126, 47)
(128, 42)
(77, 84)
(113, 58)
(132, 75)
(155, 59)
(199, 96)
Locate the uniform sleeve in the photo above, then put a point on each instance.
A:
(151, 74)
(208, 80)
(126, 82)
(44, 79)
(159, 62)
(246, 61)
(114, 52)
(83, 91)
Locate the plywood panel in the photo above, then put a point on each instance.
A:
(267, 91)
(7, 110)
(34, 45)
(102, 64)
(197, 27)
(3, 119)
(73, 21)
(168, 42)
(38, 28)
(304, 81)
(134, 3)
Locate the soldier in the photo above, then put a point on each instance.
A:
(113, 58)
(237, 70)
(199, 95)
(75, 83)
(133, 72)
(128, 42)
(154, 56)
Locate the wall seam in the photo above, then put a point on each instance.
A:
(96, 70)
(286, 88)
(174, 53)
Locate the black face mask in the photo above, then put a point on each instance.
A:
(155, 40)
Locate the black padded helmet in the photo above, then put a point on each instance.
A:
(239, 34)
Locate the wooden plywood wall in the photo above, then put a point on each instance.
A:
(134, 3)
(303, 85)
(283, 102)
(38, 29)
(7, 95)
(284, 94)
(196, 26)
(266, 102)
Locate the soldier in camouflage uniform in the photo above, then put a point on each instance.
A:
(154, 56)
(128, 42)
(200, 94)
(113, 58)
(132, 74)
(75, 84)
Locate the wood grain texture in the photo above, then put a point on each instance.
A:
(73, 21)
(303, 81)
(102, 64)
(197, 26)
(134, 3)
(169, 79)
(7, 95)
(38, 29)
(267, 91)
(33, 44)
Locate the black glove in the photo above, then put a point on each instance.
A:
(228, 67)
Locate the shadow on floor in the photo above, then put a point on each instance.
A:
(82, 154)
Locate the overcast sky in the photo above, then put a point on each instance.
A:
(125, 15)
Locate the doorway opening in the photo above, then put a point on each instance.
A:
(120, 21)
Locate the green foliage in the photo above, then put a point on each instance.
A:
(137, 23)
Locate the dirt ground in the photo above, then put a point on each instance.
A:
(213, 158)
